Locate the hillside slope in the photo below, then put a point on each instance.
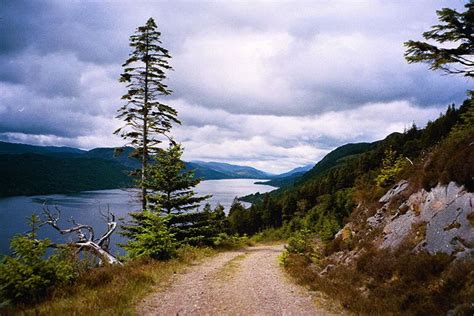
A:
(231, 171)
(388, 231)
(31, 174)
(324, 198)
(288, 178)
(31, 170)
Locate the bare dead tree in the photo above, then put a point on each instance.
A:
(85, 235)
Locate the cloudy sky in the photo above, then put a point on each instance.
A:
(271, 84)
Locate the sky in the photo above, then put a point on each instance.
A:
(269, 84)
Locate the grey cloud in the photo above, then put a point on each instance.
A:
(18, 24)
(237, 64)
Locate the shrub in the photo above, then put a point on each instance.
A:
(453, 160)
(225, 241)
(150, 237)
(386, 282)
(300, 243)
(28, 275)
(391, 167)
(271, 234)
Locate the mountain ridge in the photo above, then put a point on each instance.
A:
(30, 170)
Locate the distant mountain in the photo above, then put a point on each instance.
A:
(331, 160)
(31, 170)
(110, 154)
(205, 173)
(14, 148)
(288, 178)
(298, 170)
(232, 171)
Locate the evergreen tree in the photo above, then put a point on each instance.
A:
(171, 218)
(147, 119)
(199, 228)
(149, 236)
(30, 273)
(457, 29)
(171, 186)
(391, 167)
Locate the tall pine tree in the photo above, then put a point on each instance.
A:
(147, 119)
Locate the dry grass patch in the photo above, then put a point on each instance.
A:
(113, 290)
(228, 270)
(393, 283)
(470, 218)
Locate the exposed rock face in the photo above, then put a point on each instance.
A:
(445, 210)
(448, 229)
(394, 191)
(378, 219)
(398, 229)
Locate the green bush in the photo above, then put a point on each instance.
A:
(271, 234)
(149, 236)
(225, 241)
(391, 167)
(28, 275)
(300, 242)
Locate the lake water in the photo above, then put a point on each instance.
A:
(85, 207)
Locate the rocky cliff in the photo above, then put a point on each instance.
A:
(442, 217)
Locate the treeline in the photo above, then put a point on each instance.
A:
(32, 174)
(356, 173)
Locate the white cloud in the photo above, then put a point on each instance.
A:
(233, 67)
(278, 143)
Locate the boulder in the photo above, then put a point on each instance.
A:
(394, 191)
(377, 220)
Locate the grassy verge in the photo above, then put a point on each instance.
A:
(382, 282)
(270, 235)
(228, 270)
(113, 290)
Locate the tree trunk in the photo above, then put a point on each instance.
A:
(145, 130)
(100, 253)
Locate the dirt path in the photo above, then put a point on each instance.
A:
(246, 282)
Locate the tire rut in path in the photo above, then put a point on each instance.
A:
(245, 282)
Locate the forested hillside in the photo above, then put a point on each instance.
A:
(326, 195)
(31, 170)
(31, 174)
(288, 178)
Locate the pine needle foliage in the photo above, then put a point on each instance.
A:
(171, 186)
(456, 29)
(149, 236)
(28, 275)
(147, 119)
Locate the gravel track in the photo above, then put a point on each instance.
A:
(245, 282)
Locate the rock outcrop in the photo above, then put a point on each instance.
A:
(446, 213)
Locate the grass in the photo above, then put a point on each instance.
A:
(232, 242)
(382, 282)
(113, 290)
(270, 235)
(230, 267)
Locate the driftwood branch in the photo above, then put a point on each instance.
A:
(85, 235)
